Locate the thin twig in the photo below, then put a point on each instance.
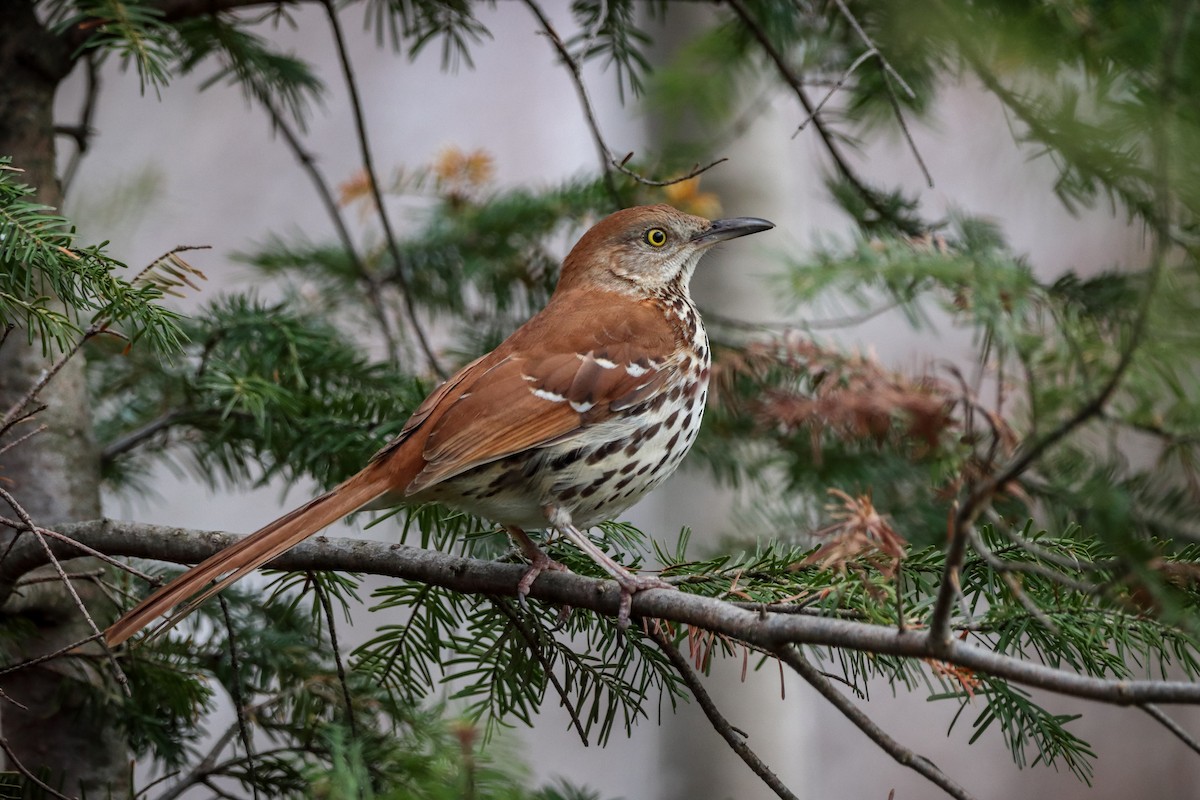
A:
(23, 438)
(889, 75)
(83, 548)
(608, 160)
(837, 85)
(309, 165)
(589, 113)
(10, 416)
(389, 235)
(327, 608)
(869, 196)
(870, 43)
(21, 768)
(75, 576)
(687, 176)
(1171, 725)
(548, 668)
(21, 513)
(732, 737)
(235, 691)
(903, 755)
(68, 649)
(973, 505)
(136, 437)
(86, 114)
(908, 137)
(207, 766)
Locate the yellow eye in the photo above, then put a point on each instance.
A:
(656, 237)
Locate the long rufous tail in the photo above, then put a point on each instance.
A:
(238, 560)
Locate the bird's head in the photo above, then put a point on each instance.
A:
(648, 249)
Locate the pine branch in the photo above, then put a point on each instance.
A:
(473, 576)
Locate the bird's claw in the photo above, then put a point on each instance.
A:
(538, 564)
(631, 586)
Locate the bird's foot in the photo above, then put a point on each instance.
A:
(539, 562)
(630, 585)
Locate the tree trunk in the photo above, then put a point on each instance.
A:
(55, 474)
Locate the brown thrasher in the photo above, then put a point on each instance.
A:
(579, 413)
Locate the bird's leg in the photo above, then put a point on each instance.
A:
(630, 584)
(539, 562)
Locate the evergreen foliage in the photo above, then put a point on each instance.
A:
(1082, 559)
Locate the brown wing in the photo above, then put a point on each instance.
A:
(551, 385)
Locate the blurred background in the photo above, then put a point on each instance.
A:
(190, 167)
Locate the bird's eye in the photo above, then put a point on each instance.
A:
(655, 237)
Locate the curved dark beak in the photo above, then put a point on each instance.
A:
(723, 229)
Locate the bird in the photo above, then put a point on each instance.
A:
(580, 412)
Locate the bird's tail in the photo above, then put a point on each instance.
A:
(247, 555)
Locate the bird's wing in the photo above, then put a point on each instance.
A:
(546, 393)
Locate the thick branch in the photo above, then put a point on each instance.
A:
(767, 631)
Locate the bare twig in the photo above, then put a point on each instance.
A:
(138, 436)
(589, 113)
(903, 755)
(23, 515)
(687, 176)
(14, 412)
(837, 85)
(889, 75)
(70, 649)
(83, 548)
(869, 196)
(908, 137)
(21, 439)
(732, 737)
(870, 43)
(75, 576)
(608, 161)
(1171, 725)
(235, 691)
(21, 768)
(86, 114)
(205, 767)
(327, 608)
(309, 165)
(385, 222)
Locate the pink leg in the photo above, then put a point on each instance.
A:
(630, 584)
(539, 562)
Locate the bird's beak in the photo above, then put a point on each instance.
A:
(723, 229)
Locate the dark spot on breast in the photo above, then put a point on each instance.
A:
(630, 466)
(672, 442)
(566, 459)
(647, 432)
(604, 451)
(670, 421)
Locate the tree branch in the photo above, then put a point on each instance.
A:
(869, 196)
(735, 739)
(389, 235)
(767, 631)
(792, 657)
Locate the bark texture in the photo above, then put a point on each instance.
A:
(54, 475)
